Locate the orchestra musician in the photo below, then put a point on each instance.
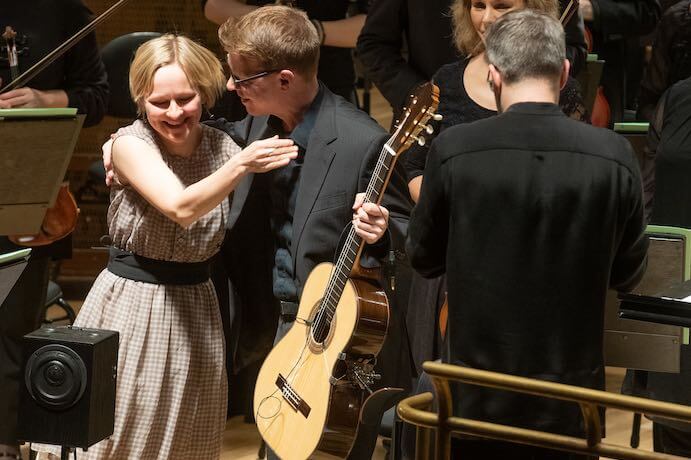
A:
(424, 29)
(464, 98)
(533, 216)
(78, 79)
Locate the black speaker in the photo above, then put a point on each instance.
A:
(68, 392)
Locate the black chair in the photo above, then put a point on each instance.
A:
(54, 297)
(117, 56)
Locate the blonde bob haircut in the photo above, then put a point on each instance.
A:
(466, 38)
(201, 66)
(276, 37)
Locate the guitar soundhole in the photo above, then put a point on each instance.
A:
(321, 324)
(320, 333)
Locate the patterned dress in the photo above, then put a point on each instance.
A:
(171, 386)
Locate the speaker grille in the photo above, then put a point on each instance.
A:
(55, 377)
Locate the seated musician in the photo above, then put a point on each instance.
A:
(533, 216)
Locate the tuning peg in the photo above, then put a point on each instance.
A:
(429, 129)
(421, 141)
(437, 117)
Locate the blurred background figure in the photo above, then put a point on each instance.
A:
(615, 30)
(671, 57)
(78, 79)
(404, 42)
(338, 23)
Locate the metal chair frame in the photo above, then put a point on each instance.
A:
(413, 410)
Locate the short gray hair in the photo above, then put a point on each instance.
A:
(526, 44)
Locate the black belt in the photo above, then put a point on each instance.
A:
(139, 268)
(289, 309)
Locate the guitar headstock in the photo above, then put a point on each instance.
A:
(421, 106)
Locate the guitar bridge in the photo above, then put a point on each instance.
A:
(292, 398)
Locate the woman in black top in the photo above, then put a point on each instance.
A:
(464, 97)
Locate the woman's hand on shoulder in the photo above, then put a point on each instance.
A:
(107, 149)
(267, 154)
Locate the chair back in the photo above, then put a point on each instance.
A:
(640, 344)
(117, 56)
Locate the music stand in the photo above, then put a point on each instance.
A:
(37, 147)
(672, 306)
(12, 264)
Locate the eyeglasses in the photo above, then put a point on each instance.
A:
(240, 81)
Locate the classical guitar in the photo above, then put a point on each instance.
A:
(313, 384)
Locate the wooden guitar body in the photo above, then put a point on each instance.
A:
(318, 407)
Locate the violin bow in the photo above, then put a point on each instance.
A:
(24, 78)
(569, 11)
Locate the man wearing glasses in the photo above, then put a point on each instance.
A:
(282, 225)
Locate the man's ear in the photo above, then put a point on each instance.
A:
(565, 68)
(494, 78)
(286, 78)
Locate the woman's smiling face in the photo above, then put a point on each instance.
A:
(174, 107)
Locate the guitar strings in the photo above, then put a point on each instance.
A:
(381, 163)
(319, 324)
(337, 272)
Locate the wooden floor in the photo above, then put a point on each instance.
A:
(241, 440)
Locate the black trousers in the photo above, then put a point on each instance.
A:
(671, 441)
(19, 315)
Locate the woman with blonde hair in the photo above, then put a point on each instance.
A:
(167, 219)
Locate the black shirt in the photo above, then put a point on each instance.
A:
(283, 192)
(532, 216)
(669, 146)
(671, 58)
(457, 107)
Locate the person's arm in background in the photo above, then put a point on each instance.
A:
(340, 33)
(576, 48)
(620, 19)
(379, 48)
(656, 79)
(650, 156)
(85, 84)
(630, 260)
(427, 240)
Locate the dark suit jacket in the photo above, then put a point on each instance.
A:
(342, 149)
(533, 216)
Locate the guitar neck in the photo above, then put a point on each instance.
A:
(420, 108)
(349, 256)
